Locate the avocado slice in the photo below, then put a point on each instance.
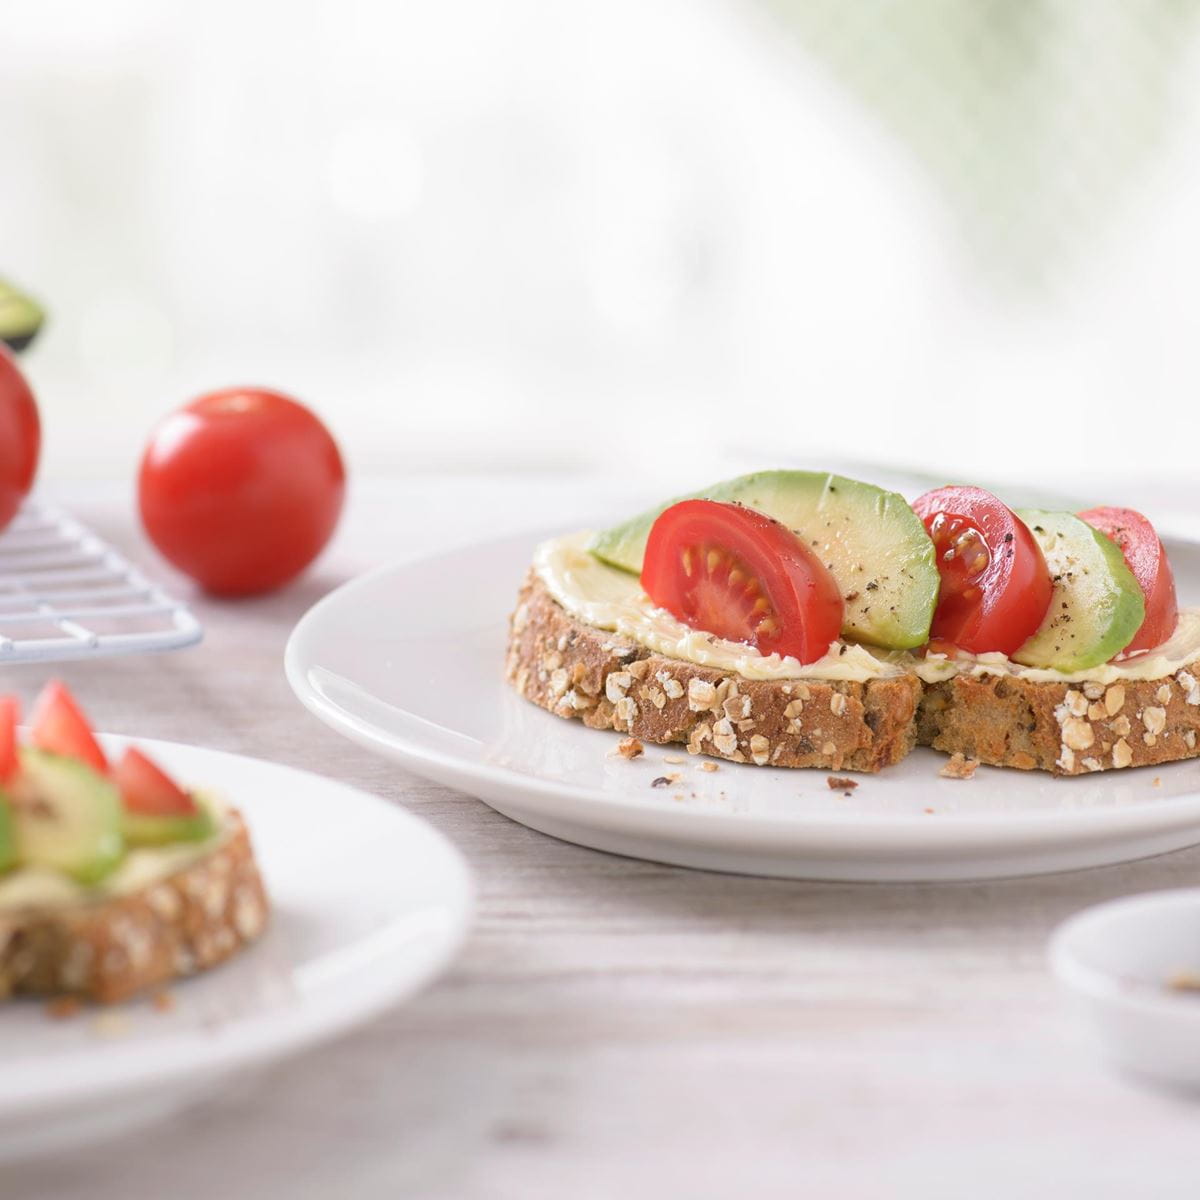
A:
(1096, 606)
(140, 829)
(8, 836)
(67, 817)
(20, 317)
(870, 539)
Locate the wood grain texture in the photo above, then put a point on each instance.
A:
(617, 1028)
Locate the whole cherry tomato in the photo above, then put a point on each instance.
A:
(241, 489)
(20, 437)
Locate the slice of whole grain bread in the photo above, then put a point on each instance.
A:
(608, 681)
(1064, 728)
(109, 948)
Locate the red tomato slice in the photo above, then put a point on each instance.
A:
(10, 709)
(1146, 558)
(995, 585)
(735, 573)
(60, 727)
(148, 790)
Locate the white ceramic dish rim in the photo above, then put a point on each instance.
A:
(264, 1037)
(720, 824)
(1105, 987)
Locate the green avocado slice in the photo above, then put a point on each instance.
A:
(1096, 606)
(870, 539)
(20, 317)
(8, 835)
(67, 817)
(143, 830)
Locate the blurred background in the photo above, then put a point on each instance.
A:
(645, 237)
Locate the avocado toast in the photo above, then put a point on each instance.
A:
(112, 878)
(1034, 640)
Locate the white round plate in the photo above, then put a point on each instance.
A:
(369, 903)
(408, 660)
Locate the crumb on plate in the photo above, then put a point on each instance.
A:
(959, 767)
(663, 780)
(1184, 981)
(673, 759)
(841, 783)
(630, 748)
(163, 1001)
(709, 765)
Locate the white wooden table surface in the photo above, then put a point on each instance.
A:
(616, 1028)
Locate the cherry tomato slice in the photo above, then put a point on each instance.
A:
(10, 709)
(1146, 558)
(735, 573)
(995, 585)
(59, 727)
(148, 790)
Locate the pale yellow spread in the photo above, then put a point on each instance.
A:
(604, 597)
(1179, 651)
(43, 887)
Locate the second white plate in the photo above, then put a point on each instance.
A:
(408, 660)
(369, 903)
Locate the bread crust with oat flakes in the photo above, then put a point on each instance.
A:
(1064, 728)
(610, 682)
(108, 949)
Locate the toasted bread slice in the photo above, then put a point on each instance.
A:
(1064, 728)
(610, 682)
(111, 947)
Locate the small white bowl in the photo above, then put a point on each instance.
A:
(1133, 966)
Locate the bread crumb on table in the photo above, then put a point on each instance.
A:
(959, 767)
(62, 1008)
(841, 783)
(630, 748)
(664, 780)
(1184, 981)
(709, 765)
(673, 759)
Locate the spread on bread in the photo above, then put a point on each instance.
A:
(1038, 620)
(112, 876)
